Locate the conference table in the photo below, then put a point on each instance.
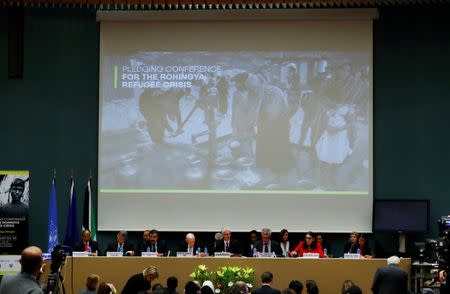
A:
(329, 273)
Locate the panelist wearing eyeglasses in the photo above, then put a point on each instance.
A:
(309, 245)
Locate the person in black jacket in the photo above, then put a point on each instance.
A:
(266, 279)
(121, 244)
(226, 244)
(390, 279)
(266, 245)
(86, 244)
(141, 282)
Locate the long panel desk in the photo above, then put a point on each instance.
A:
(328, 273)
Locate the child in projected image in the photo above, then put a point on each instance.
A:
(333, 146)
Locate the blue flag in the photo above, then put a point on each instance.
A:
(52, 219)
(72, 232)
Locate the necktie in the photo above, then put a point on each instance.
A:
(86, 246)
(153, 248)
(227, 246)
(120, 248)
(265, 248)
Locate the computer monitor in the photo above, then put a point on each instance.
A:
(401, 215)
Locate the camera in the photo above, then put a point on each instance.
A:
(55, 278)
(437, 250)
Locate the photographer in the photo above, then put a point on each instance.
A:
(27, 280)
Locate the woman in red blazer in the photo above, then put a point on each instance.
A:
(309, 245)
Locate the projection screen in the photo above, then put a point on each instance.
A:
(210, 119)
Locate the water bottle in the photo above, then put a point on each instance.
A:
(325, 252)
(254, 252)
(148, 248)
(198, 251)
(358, 251)
(206, 251)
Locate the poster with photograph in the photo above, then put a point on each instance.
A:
(14, 201)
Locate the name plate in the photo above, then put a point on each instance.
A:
(352, 256)
(310, 255)
(222, 254)
(149, 254)
(46, 256)
(184, 254)
(114, 254)
(265, 254)
(80, 253)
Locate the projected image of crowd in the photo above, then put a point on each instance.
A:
(281, 121)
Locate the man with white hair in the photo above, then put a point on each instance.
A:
(226, 244)
(266, 245)
(390, 279)
(190, 244)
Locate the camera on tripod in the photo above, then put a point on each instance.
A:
(443, 246)
(436, 251)
(55, 278)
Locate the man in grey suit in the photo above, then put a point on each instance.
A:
(27, 280)
(390, 279)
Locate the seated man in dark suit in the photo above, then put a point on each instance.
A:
(86, 244)
(266, 245)
(266, 279)
(390, 279)
(157, 245)
(121, 244)
(191, 245)
(226, 244)
(145, 244)
(151, 243)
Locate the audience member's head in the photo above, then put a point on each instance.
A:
(150, 273)
(172, 282)
(311, 287)
(242, 287)
(105, 288)
(191, 288)
(157, 286)
(207, 288)
(232, 290)
(92, 282)
(266, 277)
(288, 291)
(347, 284)
(297, 286)
(393, 260)
(31, 260)
(353, 290)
